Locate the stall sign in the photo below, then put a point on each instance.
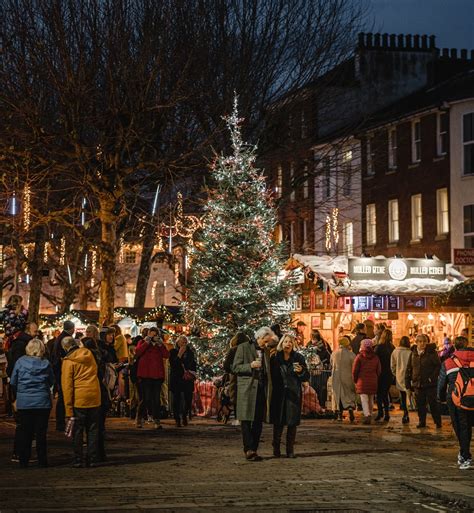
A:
(361, 304)
(414, 303)
(464, 256)
(395, 268)
(393, 303)
(378, 303)
(306, 303)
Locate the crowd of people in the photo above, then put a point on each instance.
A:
(266, 374)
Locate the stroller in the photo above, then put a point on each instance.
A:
(224, 397)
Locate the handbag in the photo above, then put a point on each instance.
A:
(188, 375)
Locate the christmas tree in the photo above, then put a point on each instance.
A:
(236, 263)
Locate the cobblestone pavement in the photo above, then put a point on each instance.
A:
(340, 467)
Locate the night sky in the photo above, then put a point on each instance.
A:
(451, 21)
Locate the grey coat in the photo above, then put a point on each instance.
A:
(247, 385)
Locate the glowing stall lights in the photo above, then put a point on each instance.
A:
(410, 317)
(431, 316)
(442, 318)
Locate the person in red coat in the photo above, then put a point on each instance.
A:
(150, 353)
(365, 373)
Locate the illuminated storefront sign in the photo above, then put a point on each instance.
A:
(398, 269)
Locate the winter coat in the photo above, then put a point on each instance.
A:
(247, 382)
(384, 352)
(57, 356)
(423, 370)
(343, 387)
(79, 381)
(399, 365)
(285, 406)
(32, 379)
(121, 348)
(356, 341)
(177, 366)
(151, 360)
(17, 350)
(366, 371)
(449, 371)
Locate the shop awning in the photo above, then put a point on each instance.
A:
(334, 271)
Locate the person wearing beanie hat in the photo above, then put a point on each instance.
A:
(360, 335)
(365, 373)
(343, 387)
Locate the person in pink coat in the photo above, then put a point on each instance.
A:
(365, 373)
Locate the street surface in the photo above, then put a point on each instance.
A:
(201, 467)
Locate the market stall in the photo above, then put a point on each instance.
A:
(335, 293)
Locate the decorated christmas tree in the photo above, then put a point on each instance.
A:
(236, 263)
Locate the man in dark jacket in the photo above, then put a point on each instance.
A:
(57, 356)
(462, 420)
(18, 347)
(422, 377)
(360, 335)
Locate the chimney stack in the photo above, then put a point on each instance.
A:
(424, 42)
(401, 41)
(464, 54)
(393, 41)
(385, 40)
(432, 41)
(445, 52)
(416, 41)
(408, 41)
(454, 53)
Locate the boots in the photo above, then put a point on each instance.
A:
(386, 417)
(379, 415)
(351, 415)
(367, 420)
(290, 441)
(405, 418)
(277, 432)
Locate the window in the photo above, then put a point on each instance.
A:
(393, 221)
(347, 173)
(292, 237)
(371, 224)
(304, 128)
(130, 257)
(326, 178)
(416, 141)
(468, 143)
(279, 182)
(292, 178)
(392, 148)
(416, 218)
(348, 239)
(306, 184)
(442, 133)
(129, 295)
(442, 211)
(370, 157)
(469, 226)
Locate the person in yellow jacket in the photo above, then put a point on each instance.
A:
(81, 391)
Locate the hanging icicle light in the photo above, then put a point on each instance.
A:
(13, 207)
(83, 211)
(85, 261)
(27, 208)
(69, 274)
(155, 200)
(93, 266)
(62, 251)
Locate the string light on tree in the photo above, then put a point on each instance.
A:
(62, 251)
(332, 230)
(27, 208)
(93, 266)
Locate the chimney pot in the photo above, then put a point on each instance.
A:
(424, 41)
(464, 54)
(401, 41)
(454, 53)
(385, 40)
(369, 39)
(393, 41)
(472, 55)
(416, 41)
(445, 52)
(408, 40)
(432, 41)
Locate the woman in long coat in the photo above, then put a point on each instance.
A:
(344, 395)
(182, 359)
(289, 371)
(399, 363)
(384, 350)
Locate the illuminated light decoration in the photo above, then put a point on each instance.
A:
(430, 316)
(93, 266)
(86, 261)
(410, 317)
(328, 233)
(155, 200)
(335, 225)
(176, 273)
(62, 251)
(83, 211)
(27, 279)
(1, 256)
(46, 253)
(159, 248)
(377, 315)
(121, 250)
(183, 225)
(332, 230)
(14, 205)
(27, 208)
(153, 289)
(442, 318)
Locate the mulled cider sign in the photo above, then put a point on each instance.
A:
(396, 269)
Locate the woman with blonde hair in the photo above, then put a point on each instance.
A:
(344, 395)
(32, 380)
(288, 372)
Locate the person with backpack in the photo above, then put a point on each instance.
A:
(456, 386)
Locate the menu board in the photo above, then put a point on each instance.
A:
(378, 303)
(393, 303)
(414, 303)
(306, 302)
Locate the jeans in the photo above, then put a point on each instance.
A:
(367, 401)
(150, 402)
(183, 400)
(403, 401)
(32, 423)
(462, 421)
(251, 432)
(88, 420)
(426, 396)
(383, 400)
(60, 412)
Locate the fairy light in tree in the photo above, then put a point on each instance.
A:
(332, 229)
(86, 261)
(121, 250)
(83, 211)
(46, 253)
(153, 290)
(335, 226)
(328, 233)
(62, 251)
(27, 208)
(14, 205)
(93, 266)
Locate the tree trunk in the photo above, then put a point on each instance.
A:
(36, 270)
(145, 267)
(69, 294)
(83, 293)
(108, 259)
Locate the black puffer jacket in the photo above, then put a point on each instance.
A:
(423, 370)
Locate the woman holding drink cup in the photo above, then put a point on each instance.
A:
(289, 371)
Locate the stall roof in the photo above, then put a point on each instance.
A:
(334, 272)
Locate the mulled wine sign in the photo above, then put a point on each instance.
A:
(398, 269)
